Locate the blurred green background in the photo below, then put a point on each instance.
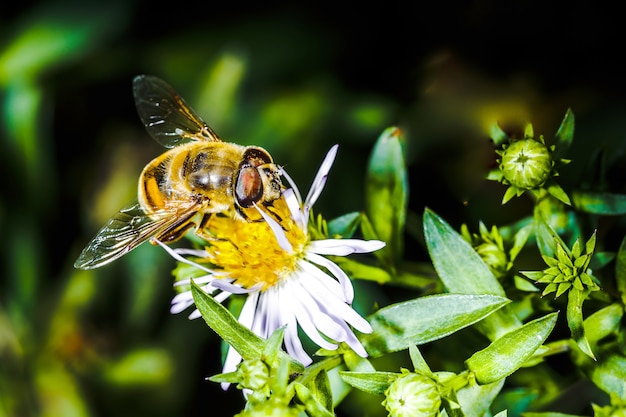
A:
(293, 78)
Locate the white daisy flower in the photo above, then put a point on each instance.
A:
(287, 279)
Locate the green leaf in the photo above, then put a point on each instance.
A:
(345, 225)
(321, 391)
(386, 193)
(603, 323)
(425, 319)
(313, 407)
(620, 269)
(556, 191)
(575, 301)
(242, 339)
(419, 364)
(507, 354)
(476, 399)
(564, 135)
(549, 414)
(607, 204)
(609, 375)
(462, 271)
(371, 382)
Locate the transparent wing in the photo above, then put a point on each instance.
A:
(166, 116)
(127, 229)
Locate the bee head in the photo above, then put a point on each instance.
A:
(258, 178)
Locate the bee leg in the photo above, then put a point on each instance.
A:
(174, 233)
(203, 230)
(241, 213)
(177, 229)
(268, 206)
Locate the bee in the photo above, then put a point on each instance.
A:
(199, 176)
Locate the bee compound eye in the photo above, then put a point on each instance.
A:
(249, 186)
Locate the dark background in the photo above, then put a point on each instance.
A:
(312, 75)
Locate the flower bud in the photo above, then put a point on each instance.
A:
(254, 374)
(412, 395)
(526, 163)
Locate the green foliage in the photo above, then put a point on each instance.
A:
(449, 302)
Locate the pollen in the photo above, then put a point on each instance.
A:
(249, 252)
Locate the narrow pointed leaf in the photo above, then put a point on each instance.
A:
(313, 407)
(419, 364)
(507, 354)
(371, 382)
(425, 319)
(607, 204)
(476, 399)
(242, 339)
(620, 269)
(603, 323)
(610, 374)
(462, 271)
(386, 192)
(575, 320)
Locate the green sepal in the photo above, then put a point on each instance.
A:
(386, 193)
(498, 135)
(370, 382)
(507, 354)
(575, 301)
(556, 191)
(462, 271)
(425, 319)
(606, 204)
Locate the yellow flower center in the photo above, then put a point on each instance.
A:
(249, 252)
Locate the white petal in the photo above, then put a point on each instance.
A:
(337, 307)
(231, 288)
(320, 178)
(307, 314)
(294, 187)
(179, 258)
(295, 209)
(321, 277)
(279, 233)
(292, 341)
(346, 284)
(344, 247)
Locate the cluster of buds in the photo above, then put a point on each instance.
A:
(529, 164)
(497, 253)
(567, 269)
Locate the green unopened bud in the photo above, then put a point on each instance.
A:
(254, 375)
(526, 163)
(412, 395)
